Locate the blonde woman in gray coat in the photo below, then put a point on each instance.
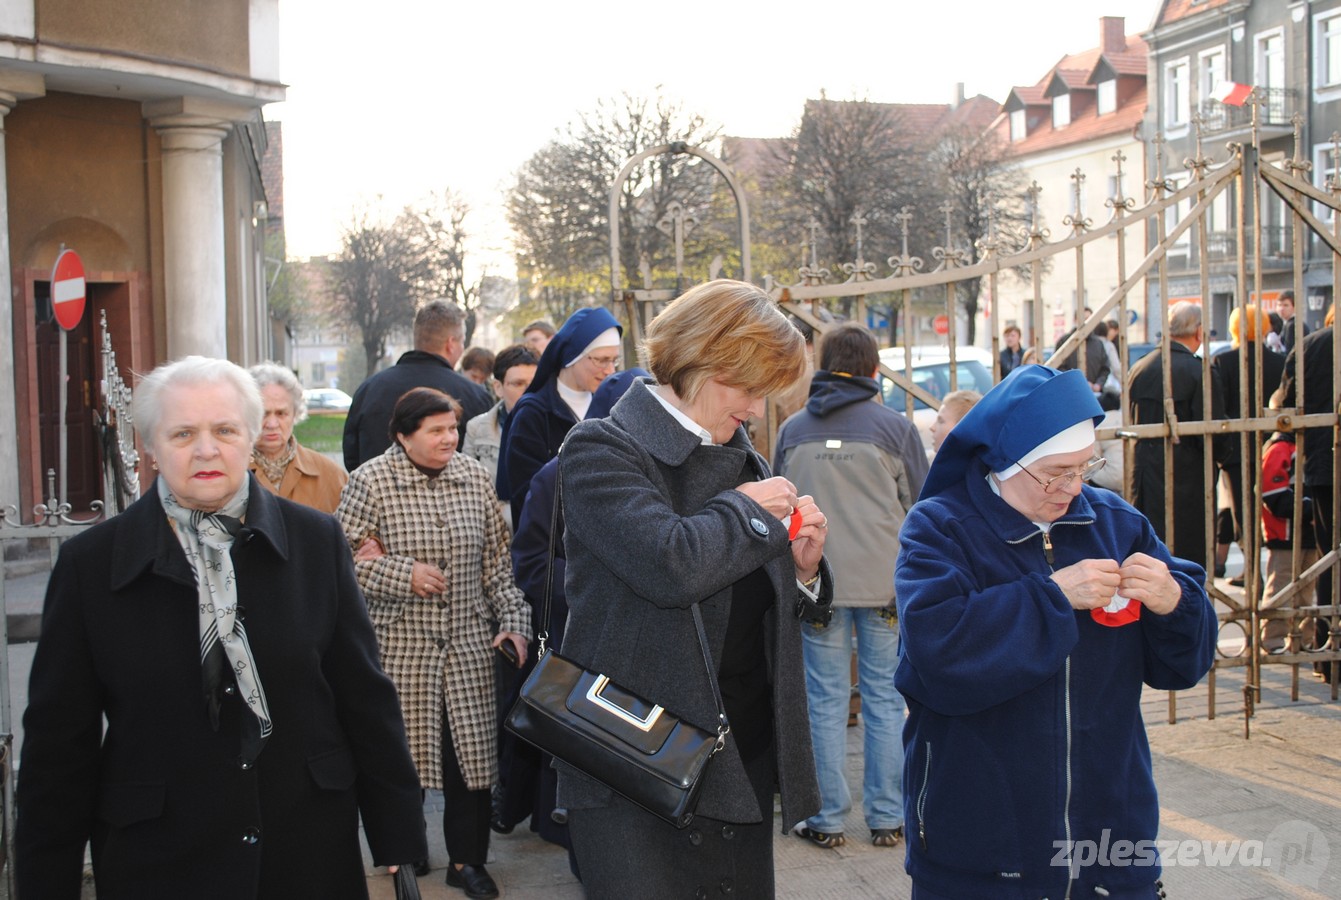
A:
(668, 505)
(432, 559)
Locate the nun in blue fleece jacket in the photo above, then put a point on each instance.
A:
(1033, 608)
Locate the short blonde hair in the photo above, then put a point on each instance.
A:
(728, 330)
(1257, 321)
(960, 402)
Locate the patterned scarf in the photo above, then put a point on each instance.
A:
(274, 469)
(207, 539)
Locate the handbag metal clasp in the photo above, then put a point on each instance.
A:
(594, 695)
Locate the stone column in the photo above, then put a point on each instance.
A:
(9, 429)
(193, 235)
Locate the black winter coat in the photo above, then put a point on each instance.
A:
(1145, 396)
(161, 795)
(370, 412)
(1318, 398)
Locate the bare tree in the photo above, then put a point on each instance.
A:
(559, 206)
(845, 158)
(385, 271)
(986, 195)
(436, 233)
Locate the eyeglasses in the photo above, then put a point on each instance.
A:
(605, 362)
(1063, 481)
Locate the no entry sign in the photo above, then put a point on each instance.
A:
(67, 289)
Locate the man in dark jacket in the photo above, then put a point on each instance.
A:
(439, 341)
(1096, 365)
(868, 461)
(1319, 397)
(1145, 398)
(1285, 305)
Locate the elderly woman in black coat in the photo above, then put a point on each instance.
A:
(218, 632)
(667, 505)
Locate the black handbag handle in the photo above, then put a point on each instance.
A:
(723, 726)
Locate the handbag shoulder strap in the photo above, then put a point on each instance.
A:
(723, 726)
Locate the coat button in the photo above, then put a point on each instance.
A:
(695, 837)
(442, 564)
(759, 527)
(728, 832)
(726, 886)
(701, 894)
(230, 690)
(245, 765)
(251, 836)
(441, 642)
(442, 604)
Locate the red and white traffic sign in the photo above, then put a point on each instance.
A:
(67, 289)
(941, 324)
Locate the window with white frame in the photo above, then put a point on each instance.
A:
(1061, 110)
(1211, 72)
(1177, 99)
(1018, 125)
(1324, 170)
(1173, 215)
(1327, 41)
(1106, 96)
(1269, 59)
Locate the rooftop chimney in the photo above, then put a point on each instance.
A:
(959, 96)
(1112, 34)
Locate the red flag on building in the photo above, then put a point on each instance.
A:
(1232, 94)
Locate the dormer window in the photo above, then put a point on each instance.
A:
(1018, 125)
(1106, 96)
(1061, 110)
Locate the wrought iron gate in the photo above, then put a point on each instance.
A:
(1171, 216)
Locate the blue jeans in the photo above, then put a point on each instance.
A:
(828, 651)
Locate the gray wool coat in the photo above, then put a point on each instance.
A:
(437, 650)
(653, 526)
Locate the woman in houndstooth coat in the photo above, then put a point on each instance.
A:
(432, 559)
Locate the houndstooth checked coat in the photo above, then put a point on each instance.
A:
(439, 646)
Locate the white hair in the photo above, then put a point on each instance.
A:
(268, 373)
(147, 403)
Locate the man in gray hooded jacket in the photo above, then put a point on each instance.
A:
(867, 461)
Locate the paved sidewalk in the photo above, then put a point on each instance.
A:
(1282, 787)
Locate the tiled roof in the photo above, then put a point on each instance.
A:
(1072, 74)
(1087, 127)
(1076, 71)
(1173, 10)
(1130, 61)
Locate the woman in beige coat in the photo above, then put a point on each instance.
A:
(432, 559)
(281, 464)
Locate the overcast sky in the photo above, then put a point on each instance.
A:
(419, 97)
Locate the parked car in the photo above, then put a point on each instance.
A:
(327, 400)
(931, 372)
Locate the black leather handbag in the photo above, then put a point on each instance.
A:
(633, 746)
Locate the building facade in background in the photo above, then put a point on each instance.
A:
(132, 133)
(1289, 52)
(1064, 132)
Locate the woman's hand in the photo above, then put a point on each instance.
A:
(776, 494)
(1090, 583)
(1146, 579)
(808, 546)
(370, 549)
(427, 579)
(518, 642)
